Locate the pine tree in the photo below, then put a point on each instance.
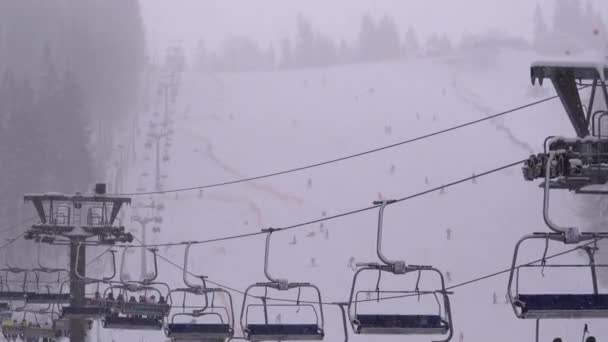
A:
(201, 58)
(305, 43)
(367, 39)
(287, 58)
(411, 44)
(388, 38)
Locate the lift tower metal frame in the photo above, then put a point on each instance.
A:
(569, 79)
(74, 220)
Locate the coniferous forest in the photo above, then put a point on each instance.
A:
(70, 71)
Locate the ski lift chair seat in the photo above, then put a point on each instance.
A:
(132, 323)
(13, 329)
(146, 309)
(14, 295)
(562, 305)
(199, 332)
(400, 324)
(85, 312)
(40, 332)
(47, 298)
(282, 332)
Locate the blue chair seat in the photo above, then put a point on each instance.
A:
(400, 324)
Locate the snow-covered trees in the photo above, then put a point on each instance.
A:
(65, 66)
(574, 28)
(237, 53)
(378, 39)
(438, 45)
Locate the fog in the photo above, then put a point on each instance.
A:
(270, 20)
(221, 119)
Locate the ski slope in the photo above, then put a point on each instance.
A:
(230, 126)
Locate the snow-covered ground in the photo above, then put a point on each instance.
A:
(230, 126)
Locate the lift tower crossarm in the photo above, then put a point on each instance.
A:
(39, 199)
(564, 76)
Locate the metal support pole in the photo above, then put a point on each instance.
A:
(144, 261)
(77, 288)
(166, 91)
(591, 253)
(157, 185)
(344, 320)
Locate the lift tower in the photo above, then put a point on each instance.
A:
(74, 220)
(578, 164)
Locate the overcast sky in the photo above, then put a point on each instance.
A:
(269, 20)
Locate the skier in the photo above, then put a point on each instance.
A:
(448, 233)
(388, 130)
(351, 263)
(494, 298)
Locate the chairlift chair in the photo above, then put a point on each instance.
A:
(267, 331)
(13, 329)
(6, 294)
(37, 331)
(399, 324)
(39, 297)
(5, 311)
(221, 330)
(132, 315)
(29, 330)
(540, 306)
(63, 326)
(93, 308)
(547, 306)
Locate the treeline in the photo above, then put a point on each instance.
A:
(573, 28)
(378, 40)
(69, 73)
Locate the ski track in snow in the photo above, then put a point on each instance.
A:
(209, 153)
(470, 98)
